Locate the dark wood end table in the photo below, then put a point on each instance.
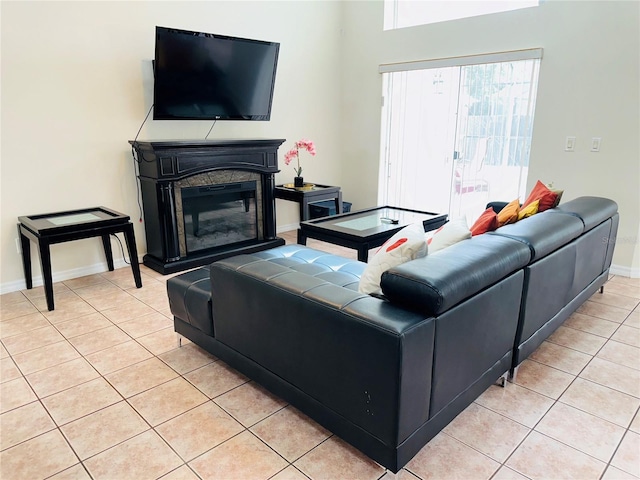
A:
(51, 228)
(307, 194)
(366, 229)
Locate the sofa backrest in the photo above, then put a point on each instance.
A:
(434, 284)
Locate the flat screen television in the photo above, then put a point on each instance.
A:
(203, 76)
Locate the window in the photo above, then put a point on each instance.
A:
(456, 133)
(408, 13)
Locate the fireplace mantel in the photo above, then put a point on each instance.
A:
(163, 165)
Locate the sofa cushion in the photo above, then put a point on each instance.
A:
(406, 244)
(543, 233)
(591, 210)
(435, 283)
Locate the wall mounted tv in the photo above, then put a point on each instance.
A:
(203, 76)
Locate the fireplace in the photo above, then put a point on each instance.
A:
(206, 200)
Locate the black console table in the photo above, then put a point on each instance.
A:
(310, 193)
(51, 228)
(168, 167)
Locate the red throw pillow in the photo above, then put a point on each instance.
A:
(487, 222)
(541, 192)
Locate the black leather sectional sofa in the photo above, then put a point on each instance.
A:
(387, 374)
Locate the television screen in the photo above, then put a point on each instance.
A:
(203, 76)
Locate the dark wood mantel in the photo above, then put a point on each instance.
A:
(162, 164)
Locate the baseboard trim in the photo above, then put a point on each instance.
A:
(287, 228)
(18, 285)
(624, 271)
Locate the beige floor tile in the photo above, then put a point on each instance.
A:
(627, 335)
(401, 475)
(99, 340)
(73, 307)
(187, 358)
(613, 300)
(77, 472)
(81, 400)
(215, 379)
(39, 457)
(3, 351)
(125, 311)
(160, 342)
(142, 457)
(118, 357)
(146, 324)
(541, 457)
(635, 424)
(109, 300)
(621, 354)
(612, 375)
(625, 280)
(198, 430)
(24, 423)
(181, 473)
(590, 324)
(103, 429)
(290, 433)
(633, 320)
(250, 403)
(627, 458)
(60, 377)
(140, 377)
(123, 278)
(562, 358)
(577, 340)
(487, 432)
(38, 292)
(244, 456)
(613, 473)
(445, 457)
(622, 288)
(505, 473)
(85, 281)
(585, 432)
(14, 394)
(167, 400)
(45, 357)
(84, 324)
(34, 339)
(517, 403)
(292, 473)
(15, 310)
(102, 289)
(12, 297)
(8, 370)
(543, 379)
(23, 324)
(606, 403)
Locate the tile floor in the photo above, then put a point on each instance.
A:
(98, 389)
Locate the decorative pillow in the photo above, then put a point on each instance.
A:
(529, 210)
(487, 222)
(407, 244)
(541, 192)
(453, 231)
(509, 214)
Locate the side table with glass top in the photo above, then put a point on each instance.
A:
(309, 193)
(51, 228)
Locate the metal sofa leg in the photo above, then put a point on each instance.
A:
(601, 289)
(513, 374)
(502, 381)
(179, 339)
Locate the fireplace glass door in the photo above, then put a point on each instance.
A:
(219, 215)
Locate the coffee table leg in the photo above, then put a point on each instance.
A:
(45, 263)
(133, 253)
(106, 243)
(302, 238)
(25, 244)
(363, 253)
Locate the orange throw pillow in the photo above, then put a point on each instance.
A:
(486, 222)
(541, 192)
(509, 214)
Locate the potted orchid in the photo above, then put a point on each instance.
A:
(303, 144)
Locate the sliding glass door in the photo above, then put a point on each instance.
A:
(456, 137)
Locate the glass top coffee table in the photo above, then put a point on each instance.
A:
(366, 229)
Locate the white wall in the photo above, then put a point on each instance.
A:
(77, 84)
(588, 87)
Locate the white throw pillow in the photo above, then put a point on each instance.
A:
(451, 232)
(407, 244)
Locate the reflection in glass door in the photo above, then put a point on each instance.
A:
(457, 137)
